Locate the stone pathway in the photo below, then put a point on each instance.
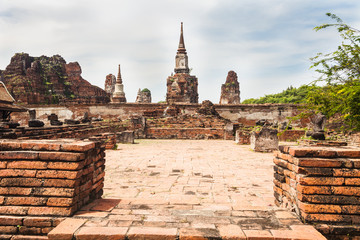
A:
(184, 189)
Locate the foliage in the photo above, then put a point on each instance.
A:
(145, 90)
(340, 71)
(290, 95)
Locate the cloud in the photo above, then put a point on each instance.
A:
(268, 43)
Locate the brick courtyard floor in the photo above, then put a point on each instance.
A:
(183, 189)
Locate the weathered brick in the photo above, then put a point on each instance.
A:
(17, 173)
(8, 229)
(329, 199)
(33, 201)
(10, 221)
(320, 180)
(27, 165)
(24, 155)
(61, 202)
(37, 145)
(50, 211)
(352, 181)
(6, 145)
(335, 218)
(30, 230)
(320, 162)
(89, 233)
(258, 234)
(281, 163)
(344, 172)
(56, 192)
(65, 165)
(38, 222)
(29, 237)
(79, 146)
(58, 174)
(346, 190)
(15, 191)
(46, 230)
(13, 210)
(314, 171)
(319, 208)
(231, 232)
(284, 156)
(21, 182)
(314, 189)
(61, 183)
(3, 164)
(349, 153)
(61, 156)
(356, 163)
(350, 209)
(66, 229)
(311, 152)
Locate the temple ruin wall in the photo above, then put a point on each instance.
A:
(247, 114)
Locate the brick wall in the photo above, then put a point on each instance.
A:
(247, 114)
(42, 181)
(322, 184)
(67, 131)
(185, 133)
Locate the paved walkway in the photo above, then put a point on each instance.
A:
(183, 189)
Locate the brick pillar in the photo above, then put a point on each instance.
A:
(322, 184)
(47, 179)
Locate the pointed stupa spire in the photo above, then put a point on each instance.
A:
(181, 48)
(119, 80)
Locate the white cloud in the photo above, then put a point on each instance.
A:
(267, 43)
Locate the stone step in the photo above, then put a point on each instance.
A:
(73, 228)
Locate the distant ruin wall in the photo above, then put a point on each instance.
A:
(246, 114)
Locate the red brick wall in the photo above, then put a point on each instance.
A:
(291, 135)
(185, 133)
(322, 184)
(43, 180)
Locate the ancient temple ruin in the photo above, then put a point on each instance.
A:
(110, 82)
(118, 94)
(143, 96)
(230, 91)
(182, 87)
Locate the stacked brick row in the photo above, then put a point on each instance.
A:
(54, 132)
(322, 184)
(44, 180)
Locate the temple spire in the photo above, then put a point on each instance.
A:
(181, 48)
(119, 80)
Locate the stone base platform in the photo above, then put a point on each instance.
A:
(121, 219)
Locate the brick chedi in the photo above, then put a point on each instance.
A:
(143, 96)
(230, 91)
(182, 87)
(49, 80)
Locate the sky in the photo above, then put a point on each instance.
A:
(268, 43)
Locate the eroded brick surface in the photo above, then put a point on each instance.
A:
(321, 183)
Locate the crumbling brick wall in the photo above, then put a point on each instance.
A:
(322, 184)
(43, 181)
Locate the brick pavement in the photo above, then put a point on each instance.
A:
(183, 189)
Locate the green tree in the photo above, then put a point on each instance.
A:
(290, 95)
(340, 71)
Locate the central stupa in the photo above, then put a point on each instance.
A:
(182, 87)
